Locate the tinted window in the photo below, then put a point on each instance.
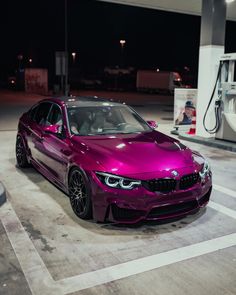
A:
(42, 113)
(55, 116)
(129, 117)
(32, 112)
(105, 120)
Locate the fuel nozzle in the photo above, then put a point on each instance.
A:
(218, 103)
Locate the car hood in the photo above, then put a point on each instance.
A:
(137, 154)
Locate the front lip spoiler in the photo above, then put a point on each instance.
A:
(200, 203)
(145, 217)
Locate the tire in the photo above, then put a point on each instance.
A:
(80, 194)
(21, 156)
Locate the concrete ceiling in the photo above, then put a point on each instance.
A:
(182, 6)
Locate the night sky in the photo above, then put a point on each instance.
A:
(154, 38)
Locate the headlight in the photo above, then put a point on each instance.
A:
(117, 181)
(206, 170)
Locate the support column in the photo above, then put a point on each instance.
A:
(212, 42)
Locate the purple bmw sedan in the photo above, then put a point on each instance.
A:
(113, 165)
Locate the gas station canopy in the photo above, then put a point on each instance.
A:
(182, 6)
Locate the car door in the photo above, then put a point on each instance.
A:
(30, 126)
(35, 136)
(54, 149)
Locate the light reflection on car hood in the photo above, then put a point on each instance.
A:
(131, 154)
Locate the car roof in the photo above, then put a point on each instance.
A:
(84, 101)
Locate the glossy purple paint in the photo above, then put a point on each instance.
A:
(53, 129)
(152, 124)
(144, 156)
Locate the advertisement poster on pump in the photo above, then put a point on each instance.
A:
(184, 108)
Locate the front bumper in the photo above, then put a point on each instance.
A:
(132, 206)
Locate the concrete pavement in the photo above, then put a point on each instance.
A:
(46, 249)
(2, 194)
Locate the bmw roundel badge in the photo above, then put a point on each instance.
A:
(174, 173)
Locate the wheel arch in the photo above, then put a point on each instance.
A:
(70, 169)
(27, 149)
(87, 185)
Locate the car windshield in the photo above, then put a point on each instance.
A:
(102, 120)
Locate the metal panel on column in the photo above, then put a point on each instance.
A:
(211, 48)
(213, 22)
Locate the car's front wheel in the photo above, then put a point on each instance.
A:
(21, 156)
(79, 193)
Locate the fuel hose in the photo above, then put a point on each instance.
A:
(217, 110)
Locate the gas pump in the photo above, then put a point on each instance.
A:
(225, 104)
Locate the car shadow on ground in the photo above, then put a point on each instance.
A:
(143, 228)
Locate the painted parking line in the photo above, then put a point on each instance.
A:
(222, 209)
(36, 273)
(41, 282)
(225, 190)
(138, 266)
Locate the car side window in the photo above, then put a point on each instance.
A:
(42, 113)
(128, 116)
(32, 112)
(55, 116)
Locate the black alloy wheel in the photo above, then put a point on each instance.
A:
(21, 156)
(79, 193)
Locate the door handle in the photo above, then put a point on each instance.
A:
(40, 138)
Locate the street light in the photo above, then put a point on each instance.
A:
(66, 90)
(30, 60)
(122, 44)
(73, 56)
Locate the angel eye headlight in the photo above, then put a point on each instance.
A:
(206, 170)
(117, 181)
(111, 181)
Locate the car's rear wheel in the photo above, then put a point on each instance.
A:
(21, 156)
(79, 193)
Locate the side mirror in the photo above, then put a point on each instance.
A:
(52, 129)
(152, 124)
